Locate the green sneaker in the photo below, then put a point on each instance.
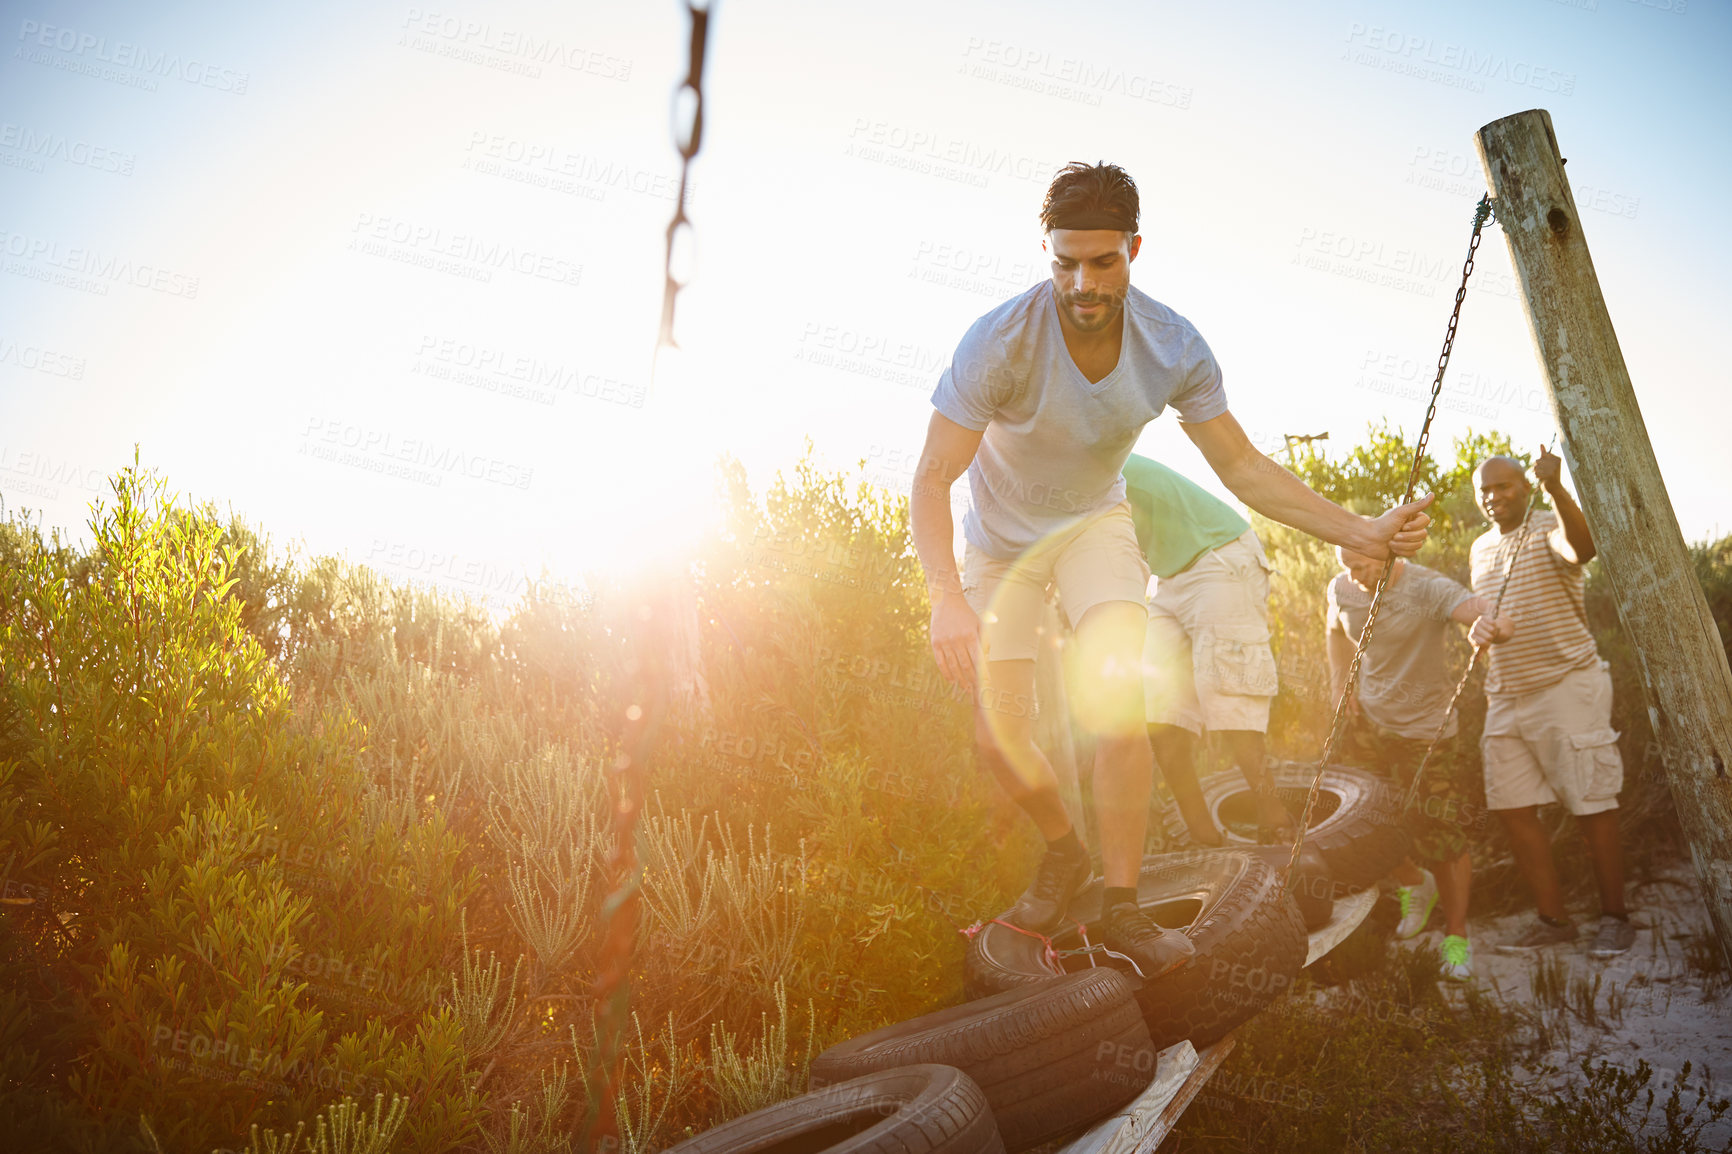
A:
(1457, 958)
(1417, 902)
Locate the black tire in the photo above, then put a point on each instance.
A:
(933, 1109)
(1312, 884)
(1249, 937)
(1050, 1056)
(1356, 823)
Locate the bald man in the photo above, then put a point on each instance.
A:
(1548, 719)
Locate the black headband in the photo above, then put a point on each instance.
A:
(1093, 218)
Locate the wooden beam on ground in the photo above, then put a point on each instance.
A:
(1684, 670)
(1141, 1126)
(1350, 910)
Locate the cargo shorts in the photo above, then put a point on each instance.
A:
(1555, 744)
(1206, 655)
(1091, 564)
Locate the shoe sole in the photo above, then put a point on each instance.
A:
(1178, 965)
(1598, 953)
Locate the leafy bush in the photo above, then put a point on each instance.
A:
(290, 835)
(206, 862)
(299, 856)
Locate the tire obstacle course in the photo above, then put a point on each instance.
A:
(1056, 1037)
(1040, 1049)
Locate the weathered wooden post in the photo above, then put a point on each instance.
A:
(1689, 687)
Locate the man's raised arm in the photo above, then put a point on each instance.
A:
(1265, 486)
(1548, 471)
(955, 627)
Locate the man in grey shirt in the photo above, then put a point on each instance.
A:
(1402, 702)
(1042, 403)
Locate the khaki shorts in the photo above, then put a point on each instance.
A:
(1554, 744)
(1206, 656)
(1092, 564)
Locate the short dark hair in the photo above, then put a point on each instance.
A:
(1090, 188)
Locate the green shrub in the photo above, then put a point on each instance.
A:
(149, 752)
(293, 835)
(283, 836)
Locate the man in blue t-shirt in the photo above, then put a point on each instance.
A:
(1041, 404)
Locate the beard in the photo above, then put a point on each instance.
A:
(1114, 304)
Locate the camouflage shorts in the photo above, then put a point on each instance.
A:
(1440, 819)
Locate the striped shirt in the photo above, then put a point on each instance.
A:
(1545, 602)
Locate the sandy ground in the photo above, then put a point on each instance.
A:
(1651, 1003)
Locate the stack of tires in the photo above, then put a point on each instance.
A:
(1000, 1073)
(1034, 1055)
(1249, 939)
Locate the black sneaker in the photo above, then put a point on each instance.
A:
(1056, 880)
(1616, 935)
(1127, 930)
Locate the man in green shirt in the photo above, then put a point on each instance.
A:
(1206, 656)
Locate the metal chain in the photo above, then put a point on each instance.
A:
(1481, 213)
(687, 141)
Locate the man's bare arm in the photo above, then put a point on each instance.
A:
(948, 451)
(1277, 494)
(1548, 471)
(1485, 629)
(955, 628)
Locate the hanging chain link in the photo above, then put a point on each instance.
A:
(688, 138)
(1481, 214)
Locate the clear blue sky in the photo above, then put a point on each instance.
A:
(386, 276)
